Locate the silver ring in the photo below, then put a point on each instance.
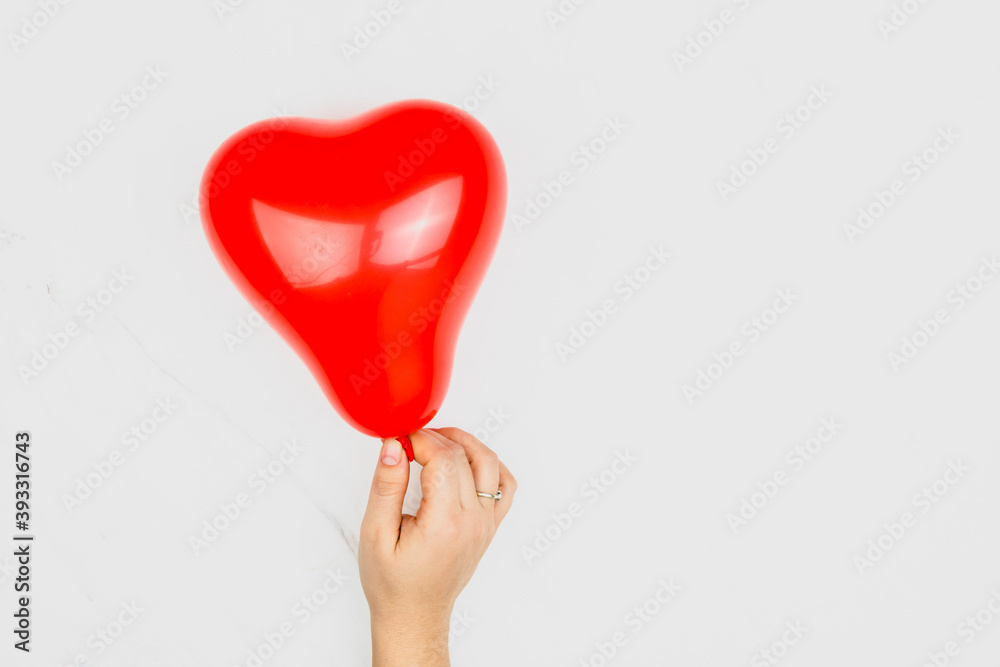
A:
(497, 496)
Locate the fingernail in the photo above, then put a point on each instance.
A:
(392, 452)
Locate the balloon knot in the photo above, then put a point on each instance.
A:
(404, 440)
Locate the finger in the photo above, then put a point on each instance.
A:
(484, 462)
(466, 479)
(439, 481)
(508, 485)
(384, 513)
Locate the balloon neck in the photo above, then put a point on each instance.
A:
(404, 440)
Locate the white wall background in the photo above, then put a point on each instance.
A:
(665, 517)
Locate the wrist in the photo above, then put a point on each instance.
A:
(398, 641)
(412, 628)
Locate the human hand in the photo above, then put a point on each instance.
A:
(413, 567)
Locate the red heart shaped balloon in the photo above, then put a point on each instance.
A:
(363, 243)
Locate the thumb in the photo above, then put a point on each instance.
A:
(385, 503)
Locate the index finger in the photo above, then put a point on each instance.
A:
(439, 480)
